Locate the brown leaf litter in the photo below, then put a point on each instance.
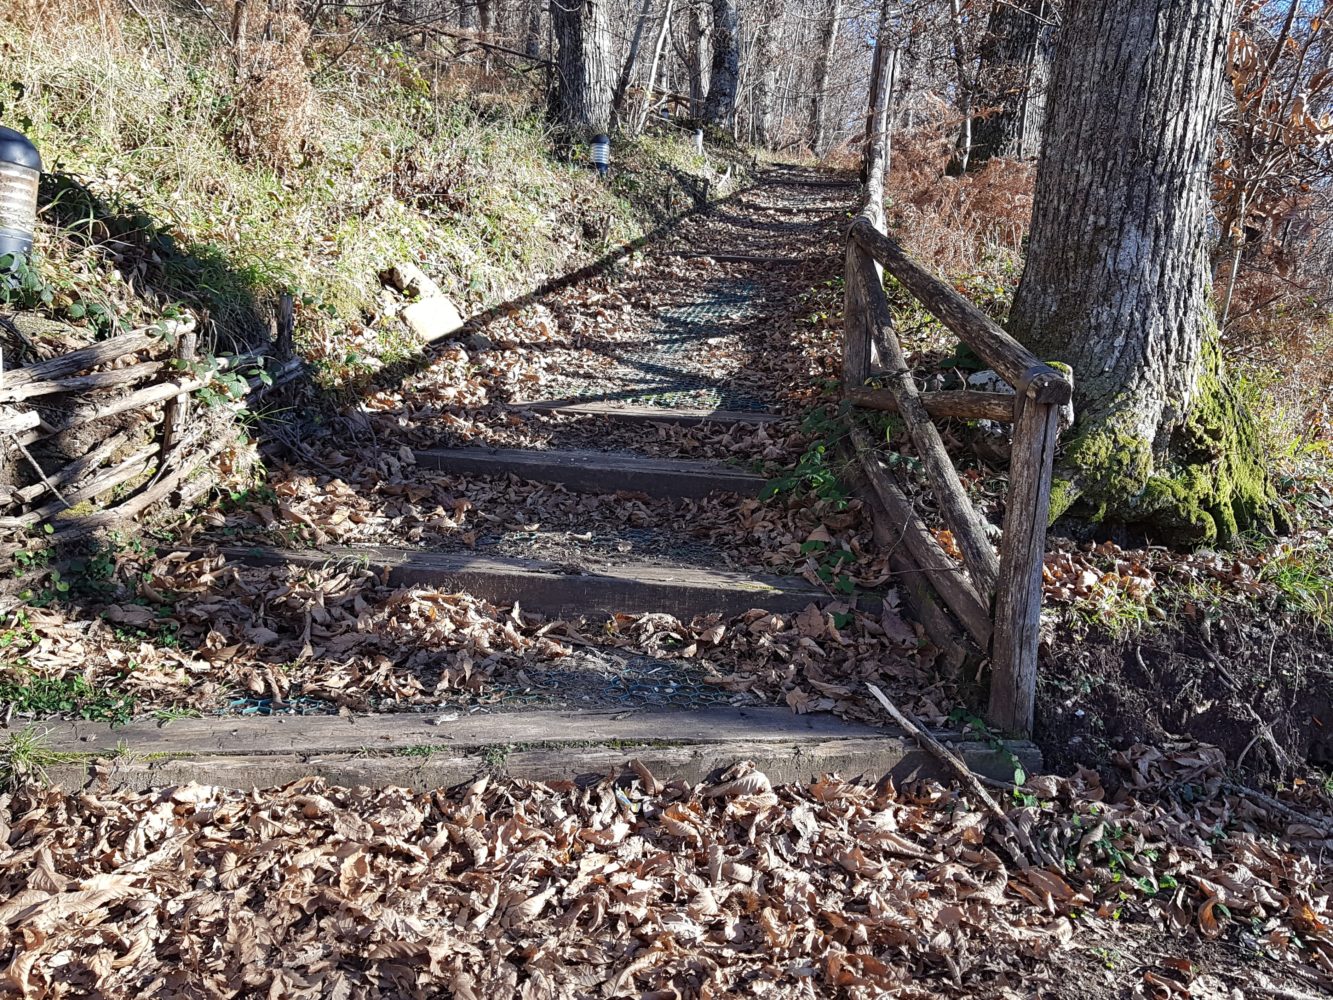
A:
(200, 631)
(628, 887)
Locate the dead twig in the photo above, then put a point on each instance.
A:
(41, 473)
(970, 781)
(1316, 823)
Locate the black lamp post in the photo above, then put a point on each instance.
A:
(601, 153)
(20, 167)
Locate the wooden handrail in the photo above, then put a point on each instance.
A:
(1010, 627)
(1017, 365)
(960, 515)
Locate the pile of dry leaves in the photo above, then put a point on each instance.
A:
(200, 632)
(632, 888)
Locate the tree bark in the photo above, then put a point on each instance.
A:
(966, 85)
(695, 60)
(820, 95)
(720, 107)
(583, 38)
(766, 79)
(532, 44)
(1116, 283)
(631, 57)
(1012, 80)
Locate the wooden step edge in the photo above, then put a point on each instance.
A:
(784, 762)
(448, 728)
(596, 472)
(647, 414)
(631, 588)
(735, 257)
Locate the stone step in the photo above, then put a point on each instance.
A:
(446, 748)
(630, 588)
(647, 414)
(596, 472)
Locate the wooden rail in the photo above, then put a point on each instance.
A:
(997, 601)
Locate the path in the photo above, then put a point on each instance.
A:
(588, 456)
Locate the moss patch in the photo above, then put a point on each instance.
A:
(1220, 485)
(1211, 486)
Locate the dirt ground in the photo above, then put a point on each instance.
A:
(1260, 688)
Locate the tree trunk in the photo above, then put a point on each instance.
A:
(583, 37)
(820, 95)
(631, 57)
(766, 79)
(657, 59)
(1116, 283)
(966, 85)
(695, 61)
(720, 108)
(533, 43)
(1012, 79)
(487, 15)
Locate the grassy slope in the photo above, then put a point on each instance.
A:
(398, 163)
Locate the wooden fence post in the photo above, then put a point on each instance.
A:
(286, 323)
(175, 410)
(1013, 692)
(856, 323)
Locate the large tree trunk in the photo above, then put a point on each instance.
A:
(1116, 283)
(583, 37)
(720, 108)
(819, 97)
(1012, 80)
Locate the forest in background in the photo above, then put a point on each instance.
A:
(315, 143)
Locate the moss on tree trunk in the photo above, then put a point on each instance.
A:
(1208, 485)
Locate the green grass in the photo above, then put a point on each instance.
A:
(25, 757)
(166, 716)
(65, 696)
(1303, 576)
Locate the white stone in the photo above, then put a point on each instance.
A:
(433, 318)
(989, 381)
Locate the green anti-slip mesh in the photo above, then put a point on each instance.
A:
(692, 357)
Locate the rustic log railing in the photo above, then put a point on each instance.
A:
(996, 600)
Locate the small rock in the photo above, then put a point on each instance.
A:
(433, 318)
(411, 280)
(479, 343)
